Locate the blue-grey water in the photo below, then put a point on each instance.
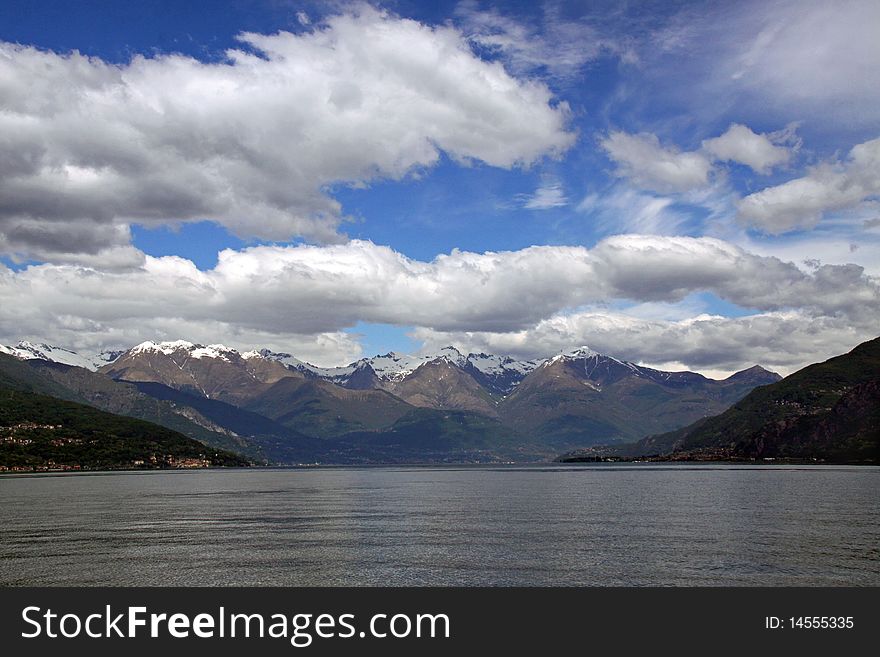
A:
(638, 524)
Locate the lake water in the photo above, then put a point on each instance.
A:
(637, 524)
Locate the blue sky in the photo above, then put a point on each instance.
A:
(657, 139)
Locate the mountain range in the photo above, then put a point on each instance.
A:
(44, 424)
(444, 406)
(827, 411)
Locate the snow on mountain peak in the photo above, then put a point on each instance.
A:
(391, 367)
(575, 354)
(195, 350)
(279, 357)
(214, 351)
(492, 365)
(450, 354)
(40, 351)
(394, 366)
(582, 352)
(167, 348)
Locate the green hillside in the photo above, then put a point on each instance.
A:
(597, 400)
(825, 411)
(85, 387)
(38, 431)
(323, 410)
(430, 435)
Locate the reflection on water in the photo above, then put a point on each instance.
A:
(636, 524)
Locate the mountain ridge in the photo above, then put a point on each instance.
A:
(391, 366)
(569, 400)
(825, 411)
(42, 432)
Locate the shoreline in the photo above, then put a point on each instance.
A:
(596, 461)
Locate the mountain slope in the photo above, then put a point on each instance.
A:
(209, 421)
(570, 400)
(18, 374)
(86, 387)
(38, 431)
(827, 411)
(215, 371)
(443, 385)
(320, 409)
(271, 440)
(584, 398)
(381, 370)
(259, 383)
(498, 375)
(52, 354)
(427, 435)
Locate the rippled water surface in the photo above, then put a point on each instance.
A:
(639, 524)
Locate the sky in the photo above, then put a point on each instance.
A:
(687, 185)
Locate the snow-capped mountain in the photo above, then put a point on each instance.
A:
(283, 358)
(498, 373)
(576, 398)
(30, 351)
(594, 398)
(601, 369)
(389, 367)
(446, 379)
(214, 371)
(191, 349)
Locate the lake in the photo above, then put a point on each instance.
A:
(582, 525)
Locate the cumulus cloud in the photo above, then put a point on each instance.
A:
(642, 159)
(801, 202)
(69, 242)
(286, 293)
(650, 268)
(253, 142)
(741, 144)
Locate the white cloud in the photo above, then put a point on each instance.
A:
(800, 203)
(818, 247)
(642, 159)
(740, 144)
(651, 268)
(646, 163)
(805, 59)
(623, 209)
(70, 242)
(549, 195)
(554, 45)
(809, 52)
(691, 178)
(254, 142)
(711, 344)
(273, 295)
